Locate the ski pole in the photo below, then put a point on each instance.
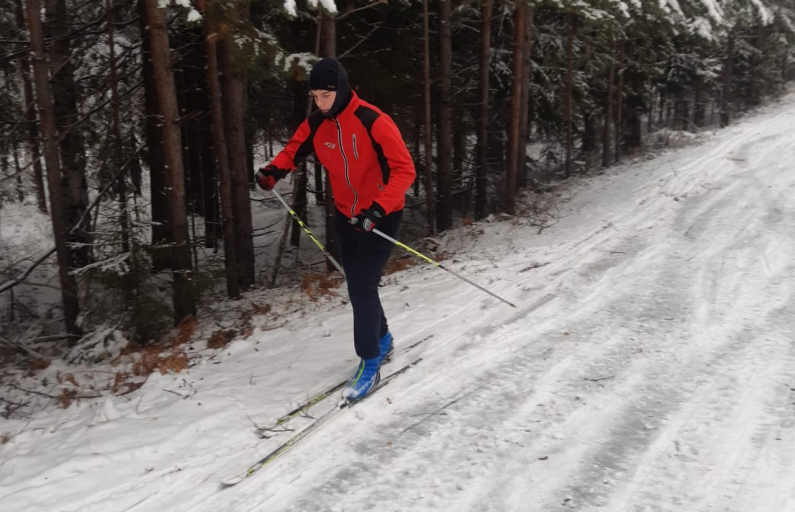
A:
(306, 229)
(437, 264)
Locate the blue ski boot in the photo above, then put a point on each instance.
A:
(366, 378)
(387, 348)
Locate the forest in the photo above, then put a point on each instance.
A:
(135, 127)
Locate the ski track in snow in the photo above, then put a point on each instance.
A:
(649, 366)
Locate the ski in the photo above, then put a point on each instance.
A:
(301, 409)
(304, 407)
(310, 429)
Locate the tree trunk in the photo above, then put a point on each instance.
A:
(52, 159)
(30, 118)
(233, 83)
(516, 104)
(319, 183)
(222, 157)
(588, 132)
(417, 158)
(18, 172)
(459, 149)
(569, 85)
(483, 109)
(635, 105)
(161, 225)
(698, 98)
(619, 102)
(726, 97)
(607, 123)
(64, 92)
(299, 198)
(198, 159)
(444, 212)
(184, 298)
(121, 180)
(757, 65)
(524, 108)
(429, 191)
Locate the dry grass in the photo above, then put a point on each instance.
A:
(219, 339)
(398, 264)
(316, 284)
(185, 329)
(67, 396)
(37, 365)
(153, 359)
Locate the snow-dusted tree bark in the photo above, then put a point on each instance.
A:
(524, 107)
(483, 109)
(184, 297)
(73, 155)
(222, 159)
(153, 132)
(233, 83)
(49, 132)
(121, 179)
(726, 97)
(619, 102)
(430, 200)
(444, 202)
(569, 84)
(608, 114)
(30, 117)
(516, 104)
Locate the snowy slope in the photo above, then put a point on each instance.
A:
(649, 366)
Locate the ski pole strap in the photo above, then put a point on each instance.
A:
(306, 229)
(437, 264)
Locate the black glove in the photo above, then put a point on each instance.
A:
(367, 220)
(268, 176)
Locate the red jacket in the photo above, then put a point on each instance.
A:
(363, 151)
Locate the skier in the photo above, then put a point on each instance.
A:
(370, 170)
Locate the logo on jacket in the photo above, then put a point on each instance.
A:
(330, 145)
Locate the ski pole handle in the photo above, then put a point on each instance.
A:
(437, 264)
(306, 229)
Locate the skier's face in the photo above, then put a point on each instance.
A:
(323, 99)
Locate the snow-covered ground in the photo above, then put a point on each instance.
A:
(649, 366)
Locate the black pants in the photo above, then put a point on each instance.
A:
(364, 256)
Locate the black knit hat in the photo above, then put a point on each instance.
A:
(324, 76)
(329, 75)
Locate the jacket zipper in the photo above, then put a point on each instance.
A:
(355, 153)
(347, 176)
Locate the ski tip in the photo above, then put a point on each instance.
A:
(229, 482)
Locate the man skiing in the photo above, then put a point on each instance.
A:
(370, 170)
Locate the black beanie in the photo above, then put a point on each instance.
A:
(324, 75)
(329, 75)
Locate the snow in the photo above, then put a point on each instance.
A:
(194, 15)
(329, 5)
(289, 6)
(714, 9)
(650, 365)
(766, 15)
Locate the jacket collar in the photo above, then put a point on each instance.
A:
(352, 105)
